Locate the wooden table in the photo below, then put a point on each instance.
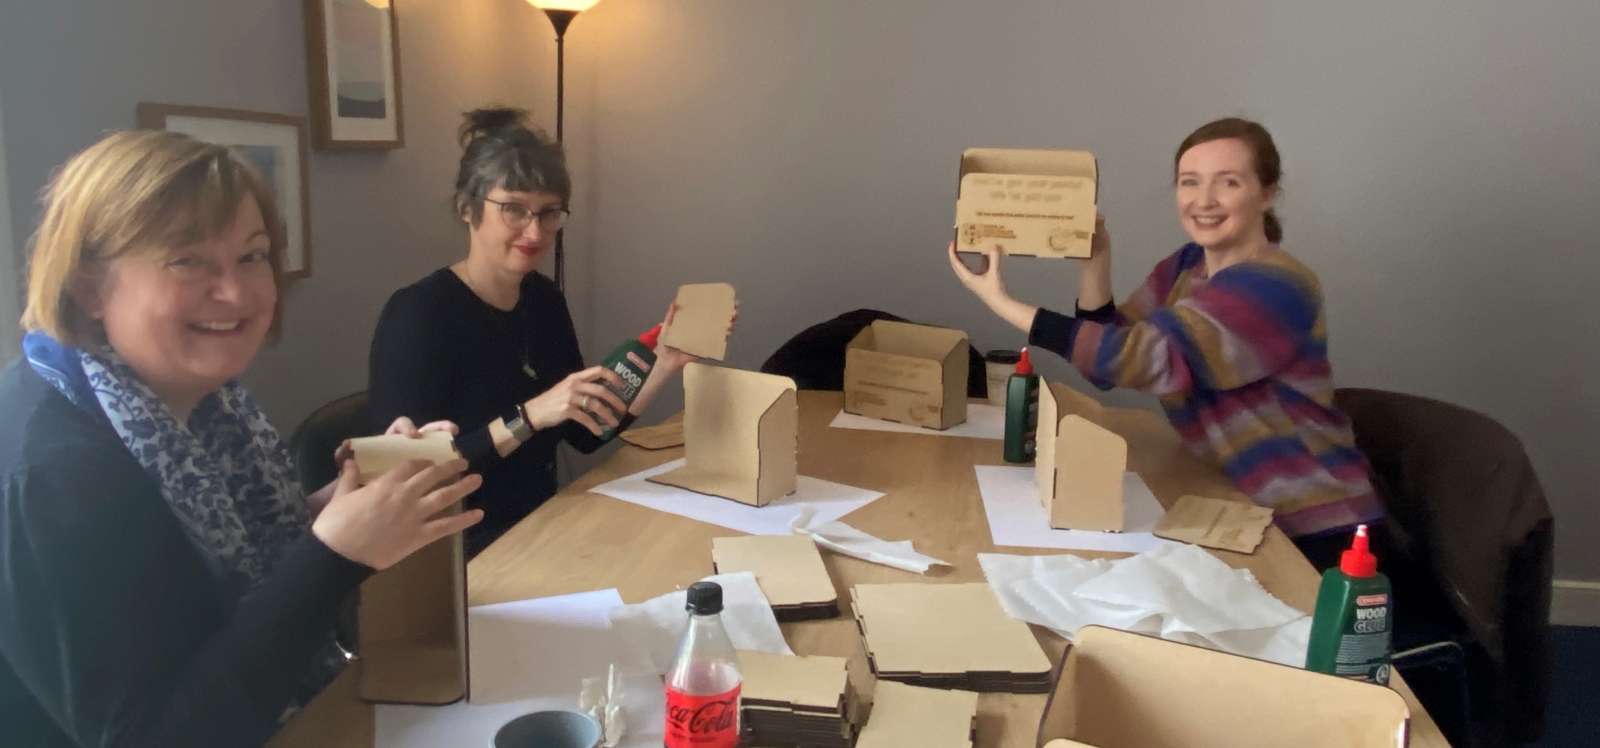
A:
(581, 541)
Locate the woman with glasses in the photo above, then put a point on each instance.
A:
(488, 343)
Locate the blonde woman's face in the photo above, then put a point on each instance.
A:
(191, 318)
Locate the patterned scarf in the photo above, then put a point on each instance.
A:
(226, 475)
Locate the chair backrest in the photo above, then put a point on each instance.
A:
(315, 439)
(1461, 486)
(814, 357)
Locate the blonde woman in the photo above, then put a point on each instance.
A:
(164, 581)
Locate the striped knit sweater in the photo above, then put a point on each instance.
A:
(1240, 362)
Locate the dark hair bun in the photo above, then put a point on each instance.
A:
(490, 121)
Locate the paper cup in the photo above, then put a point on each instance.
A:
(998, 367)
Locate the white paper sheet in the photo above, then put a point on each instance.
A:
(1017, 518)
(649, 631)
(1178, 592)
(983, 422)
(831, 500)
(528, 656)
(842, 538)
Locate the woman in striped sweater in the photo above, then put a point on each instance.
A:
(1229, 332)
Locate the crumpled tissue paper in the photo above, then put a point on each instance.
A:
(1179, 592)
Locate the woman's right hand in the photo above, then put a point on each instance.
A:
(396, 515)
(1094, 278)
(575, 399)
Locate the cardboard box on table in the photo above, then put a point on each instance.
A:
(1237, 526)
(1078, 463)
(1030, 202)
(741, 435)
(908, 373)
(789, 570)
(412, 617)
(700, 325)
(662, 436)
(904, 716)
(1122, 690)
(948, 636)
(795, 701)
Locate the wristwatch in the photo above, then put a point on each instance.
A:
(517, 423)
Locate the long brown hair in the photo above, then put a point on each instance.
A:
(1269, 167)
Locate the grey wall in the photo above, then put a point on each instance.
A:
(1443, 173)
(10, 288)
(70, 70)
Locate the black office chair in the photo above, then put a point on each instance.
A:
(312, 446)
(1472, 584)
(814, 357)
(313, 442)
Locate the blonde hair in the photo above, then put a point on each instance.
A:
(131, 194)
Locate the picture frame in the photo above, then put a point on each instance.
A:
(353, 66)
(274, 143)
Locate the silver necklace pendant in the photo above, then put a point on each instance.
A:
(527, 369)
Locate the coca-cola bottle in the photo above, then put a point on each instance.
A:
(703, 684)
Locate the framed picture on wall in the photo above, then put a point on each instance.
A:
(353, 60)
(274, 143)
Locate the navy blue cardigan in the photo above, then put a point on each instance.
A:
(112, 632)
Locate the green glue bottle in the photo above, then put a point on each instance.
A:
(1022, 412)
(632, 362)
(1354, 617)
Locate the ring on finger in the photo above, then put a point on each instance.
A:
(584, 403)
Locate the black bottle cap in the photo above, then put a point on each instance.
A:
(705, 598)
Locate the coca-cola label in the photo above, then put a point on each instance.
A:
(703, 721)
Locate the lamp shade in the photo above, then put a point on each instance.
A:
(576, 6)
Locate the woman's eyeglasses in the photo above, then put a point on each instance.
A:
(518, 216)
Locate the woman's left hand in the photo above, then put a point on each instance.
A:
(990, 288)
(401, 426)
(672, 359)
(987, 285)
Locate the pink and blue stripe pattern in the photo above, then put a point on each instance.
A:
(1240, 363)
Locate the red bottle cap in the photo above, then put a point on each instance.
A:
(650, 336)
(1024, 366)
(1358, 561)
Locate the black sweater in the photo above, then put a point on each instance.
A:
(112, 631)
(442, 353)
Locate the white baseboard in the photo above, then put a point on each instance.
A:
(1575, 603)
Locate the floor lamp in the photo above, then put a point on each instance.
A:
(561, 13)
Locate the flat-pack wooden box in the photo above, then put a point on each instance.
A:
(1029, 202)
(1078, 463)
(1122, 690)
(907, 373)
(741, 435)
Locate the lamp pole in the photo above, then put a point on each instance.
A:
(561, 19)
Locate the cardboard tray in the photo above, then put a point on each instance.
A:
(948, 636)
(797, 701)
(789, 570)
(1122, 690)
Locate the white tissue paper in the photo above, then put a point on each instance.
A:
(601, 699)
(650, 630)
(1178, 592)
(842, 538)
